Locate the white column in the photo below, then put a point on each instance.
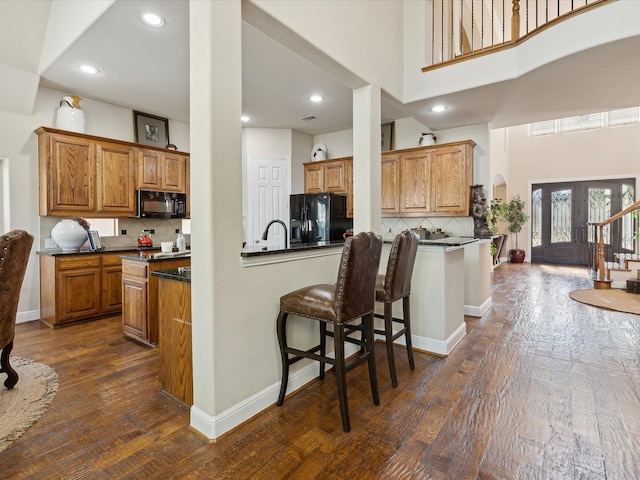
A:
(216, 180)
(366, 159)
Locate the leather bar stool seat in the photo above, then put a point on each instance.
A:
(351, 299)
(395, 285)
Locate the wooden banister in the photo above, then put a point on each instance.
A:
(476, 40)
(602, 280)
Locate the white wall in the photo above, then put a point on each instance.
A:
(375, 58)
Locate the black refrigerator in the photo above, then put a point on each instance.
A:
(318, 217)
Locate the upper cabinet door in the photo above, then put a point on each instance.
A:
(390, 185)
(313, 178)
(116, 179)
(415, 183)
(149, 170)
(452, 177)
(67, 175)
(335, 177)
(174, 173)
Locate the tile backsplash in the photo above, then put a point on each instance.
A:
(452, 226)
(165, 231)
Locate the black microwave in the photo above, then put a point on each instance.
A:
(161, 204)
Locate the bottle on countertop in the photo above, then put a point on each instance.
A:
(181, 242)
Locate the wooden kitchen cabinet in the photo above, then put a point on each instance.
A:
(390, 186)
(77, 287)
(428, 181)
(174, 317)
(140, 296)
(67, 172)
(452, 173)
(84, 175)
(161, 171)
(115, 179)
(334, 176)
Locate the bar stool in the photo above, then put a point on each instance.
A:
(396, 285)
(351, 298)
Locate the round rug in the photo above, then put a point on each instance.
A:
(23, 405)
(612, 299)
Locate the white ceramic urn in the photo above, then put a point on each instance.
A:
(70, 116)
(69, 235)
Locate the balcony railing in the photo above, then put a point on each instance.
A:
(614, 244)
(463, 29)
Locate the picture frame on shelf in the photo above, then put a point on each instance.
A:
(387, 136)
(94, 240)
(150, 129)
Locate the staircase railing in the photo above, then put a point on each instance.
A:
(613, 241)
(463, 29)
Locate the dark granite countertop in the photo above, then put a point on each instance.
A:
(52, 252)
(181, 274)
(444, 242)
(155, 256)
(251, 251)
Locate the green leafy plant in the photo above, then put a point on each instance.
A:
(495, 212)
(515, 216)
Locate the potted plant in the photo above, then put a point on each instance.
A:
(494, 213)
(515, 216)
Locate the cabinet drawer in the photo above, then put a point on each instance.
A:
(83, 261)
(134, 269)
(112, 259)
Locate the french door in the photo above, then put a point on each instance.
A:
(560, 213)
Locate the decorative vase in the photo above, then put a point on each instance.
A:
(516, 255)
(69, 235)
(70, 116)
(427, 139)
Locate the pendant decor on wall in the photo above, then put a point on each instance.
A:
(70, 116)
(69, 235)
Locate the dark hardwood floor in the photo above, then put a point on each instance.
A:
(542, 387)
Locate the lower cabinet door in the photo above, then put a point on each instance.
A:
(79, 294)
(134, 317)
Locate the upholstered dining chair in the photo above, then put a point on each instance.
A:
(395, 285)
(350, 299)
(15, 247)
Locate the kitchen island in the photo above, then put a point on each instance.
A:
(140, 292)
(444, 270)
(174, 332)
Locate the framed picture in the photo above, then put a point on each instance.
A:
(150, 130)
(387, 136)
(94, 240)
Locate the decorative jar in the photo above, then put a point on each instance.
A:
(70, 116)
(69, 235)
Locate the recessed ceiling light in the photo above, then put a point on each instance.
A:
(438, 108)
(245, 118)
(88, 69)
(315, 98)
(153, 19)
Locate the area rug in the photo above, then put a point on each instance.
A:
(612, 299)
(23, 405)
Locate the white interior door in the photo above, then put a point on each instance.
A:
(268, 199)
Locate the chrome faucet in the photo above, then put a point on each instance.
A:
(286, 235)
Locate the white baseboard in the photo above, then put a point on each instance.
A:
(29, 316)
(478, 311)
(440, 347)
(214, 426)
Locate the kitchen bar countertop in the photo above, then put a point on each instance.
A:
(53, 252)
(155, 256)
(181, 274)
(255, 251)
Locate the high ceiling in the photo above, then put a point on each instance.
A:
(147, 69)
